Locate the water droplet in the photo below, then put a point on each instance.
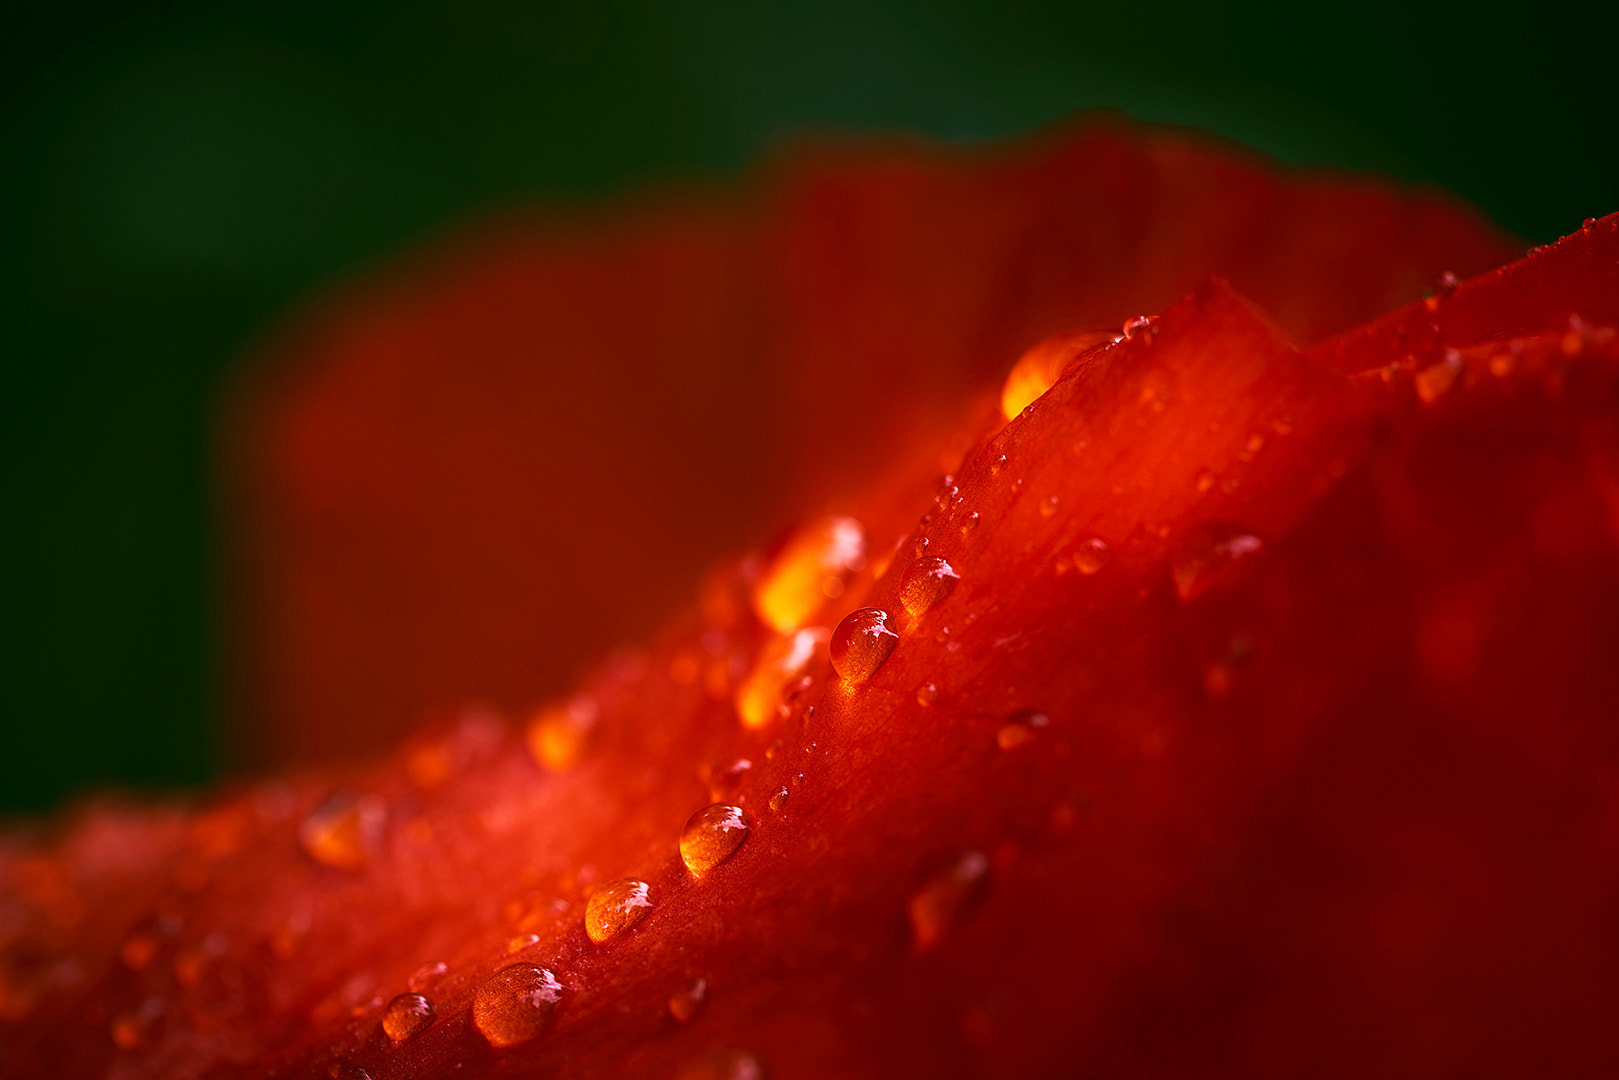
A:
(927, 581)
(428, 976)
(947, 494)
(711, 836)
(1141, 324)
(778, 799)
(407, 1014)
(687, 1002)
(723, 1065)
(969, 522)
(927, 694)
(521, 942)
(998, 464)
(1091, 555)
(1446, 284)
(343, 830)
(794, 586)
(346, 1070)
(560, 736)
(1435, 381)
(1048, 506)
(515, 1004)
(921, 546)
(1020, 728)
(725, 781)
(950, 894)
(1207, 554)
(616, 907)
(1588, 223)
(862, 643)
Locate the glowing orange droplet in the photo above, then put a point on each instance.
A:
(950, 895)
(516, 1004)
(927, 581)
(778, 798)
(862, 643)
(1092, 555)
(712, 835)
(407, 1014)
(814, 565)
(1208, 555)
(616, 907)
(560, 736)
(758, 697)
(342, 831)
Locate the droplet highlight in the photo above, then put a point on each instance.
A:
(778, 799)
(950, 895)
(713, 835)
(927, 581)
(407, 1014)
(861, 644)
(688, 1001)
(616, 907)
(516, 1004)
(1208, 555)
(1092, 555)
(815, 564)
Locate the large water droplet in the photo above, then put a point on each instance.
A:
(712, 835)
(950, 894)
(759, 696)
(796, 584)
(560, 736)
(687, 1002)
(516, 1004)
(927, 581)
(407, 1014)
(343, 830)
(616, 907)
(861, 644)
(1208, 554)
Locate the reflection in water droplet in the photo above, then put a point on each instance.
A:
(921, 545)
(407, 1014)
(711, 836)
(794, 586)
(1091, 555)
(778, 799)
(862, 643)
(687, 1002)
(616, 907)
(758, 698)
(515, 1004)
(343, 830)
(560, 736)
(1207, 554)
(927, 581)
(927, 694)
(950, 894)
(428, 976)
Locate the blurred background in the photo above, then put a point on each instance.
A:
(177, 175)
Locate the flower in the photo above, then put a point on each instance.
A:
(1231, 708)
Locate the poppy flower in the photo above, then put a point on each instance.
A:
(1190, 653)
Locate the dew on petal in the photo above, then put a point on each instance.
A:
(794, 585)
(1020, 728)
(427, 976)
(778, 798)
(1207, 554)
(712, 835)
(927, 581)
(759, 696)
(343, 830)
(1091, 555)
(723, 1065)
(688, 1001)
(862, 643)
(950, 895)
(407, 1014)
(616, 907)
(1049, 506)
(927, 694)
(560, 735)
(516, 1004)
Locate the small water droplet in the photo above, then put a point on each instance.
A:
(947, 494)
(343, 830)
(921, 546)
(1048, 506)
(927, 581)
(1205, 481)
(969, 522)
(725, 781)
(997, 464)
(407, 1014)
(1020, 728)
(1207, 554)
(1589, 223)
(1140, 324)
(793, 588)
(778, 798)
(1091, 555)
(427, 976)
(927, 694)
(723, 1065)
(862, 643)
(560, 736)
(688, 1001)
(712, 835)
(950, 894)
(521, 942)
(515, 1004)
(616, 907)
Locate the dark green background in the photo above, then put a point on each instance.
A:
(176, 174)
